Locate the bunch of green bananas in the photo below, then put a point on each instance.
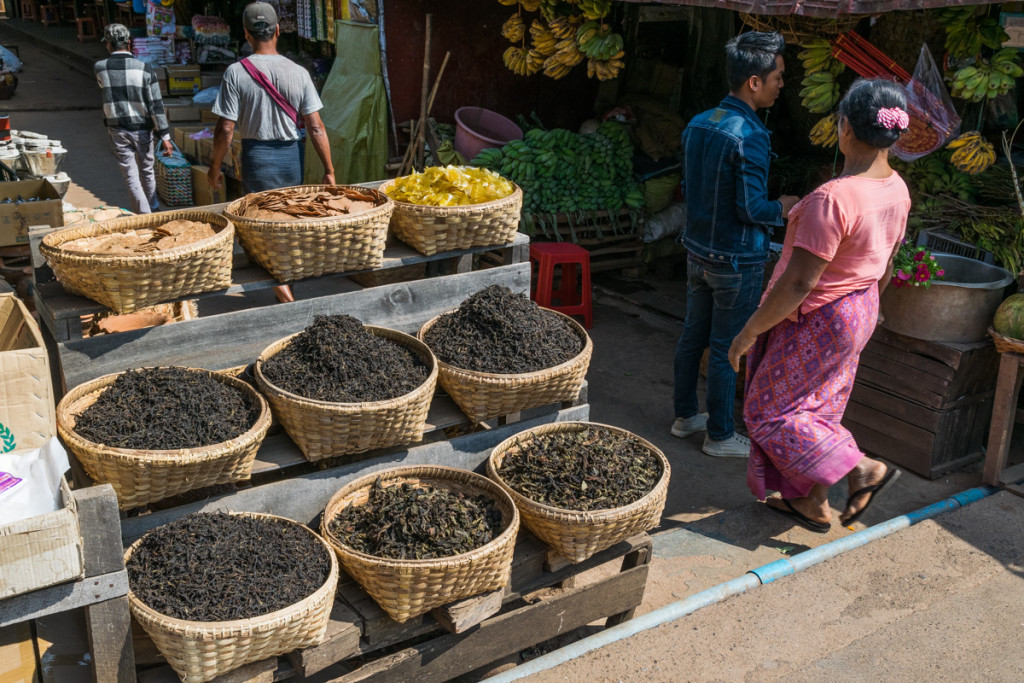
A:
(972, 153)
(825, 133)
(513, 29)
(595, 9)
(522, 62)
(953, 183)
(967, 32)
(987, 79)
(817, 56)
(542, 40)
(820, 92)
(597, 41)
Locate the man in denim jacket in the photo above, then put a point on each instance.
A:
(729, 221)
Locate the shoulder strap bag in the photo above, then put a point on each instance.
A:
(274, 93)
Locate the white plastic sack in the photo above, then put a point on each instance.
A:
(11, 61)
(668, 222)
(30, 481)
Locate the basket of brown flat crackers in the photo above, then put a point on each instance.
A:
(313, 230)
(136, 261)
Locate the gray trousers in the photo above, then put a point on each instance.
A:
(134, 152)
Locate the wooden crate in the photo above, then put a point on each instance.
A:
(611, 239)
(923, 405)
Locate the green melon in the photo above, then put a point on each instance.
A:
(1009, 319)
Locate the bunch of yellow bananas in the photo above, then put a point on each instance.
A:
(565, 26)
(568, 53)
(595, 9)
(517, 60)
(509, 3)
(513, 29)
(825, 133)
(972, 153)
(528, 5)
(542, 40)
(597, 41)
(820, 92)
(987, 78)
(605, 69)
(555, 69)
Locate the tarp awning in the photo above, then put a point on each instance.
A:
(813, 8)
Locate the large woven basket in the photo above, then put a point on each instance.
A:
(310, 247)
(483, 395)
(200, 651)
(1006, 344)
(128, 283)
(322, 429)
(407, 588)
(142, 477)
(575, 534)
(434, 229)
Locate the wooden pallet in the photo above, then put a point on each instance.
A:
(542, 600)
(923, 405)
(613, 244)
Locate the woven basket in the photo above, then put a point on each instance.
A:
(407, 588)
(322, 429)
(310, 247)
(142, 477)
(128, 283)
(1006, 344)
(483, 395)
(577, 535)
(174, 179)
(434, 229)
(200, 651)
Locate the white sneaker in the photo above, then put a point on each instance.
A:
(684, 426)
(736, 446)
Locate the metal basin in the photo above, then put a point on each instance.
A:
(39, 163)
(956, 309)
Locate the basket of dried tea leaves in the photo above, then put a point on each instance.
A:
(582, 487)
(313, 230)
(420, 537)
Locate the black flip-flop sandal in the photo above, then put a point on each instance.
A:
(874, 491)
(800, 518)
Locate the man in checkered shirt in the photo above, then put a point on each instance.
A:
(132, 110)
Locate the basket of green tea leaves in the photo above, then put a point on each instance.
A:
(420, 537)
(216, 591)
(339, 387)
(582, 487)
(153, 433)
(500, 353)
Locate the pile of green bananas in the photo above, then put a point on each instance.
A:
(817, 56)
(820, 92)
(972, 153)
(988, 78)
(564, 172)
(967, 32)
(825, 133)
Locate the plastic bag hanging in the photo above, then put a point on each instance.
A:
(933, 120)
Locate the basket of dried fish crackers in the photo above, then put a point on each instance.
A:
(313, 230)
(340, 387)
(420, 537)
(454, 207)
(500, 353)
(153, 433)
(136, 261)
(582, 487)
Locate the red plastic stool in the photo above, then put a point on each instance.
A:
(547, 255)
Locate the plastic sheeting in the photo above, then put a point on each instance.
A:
(817, 8)
(355, 109)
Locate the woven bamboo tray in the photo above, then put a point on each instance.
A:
(322, 429)
(576, 534)
(407, 588)
(200, 651)
(483, 395)
(310, 247)
(434, 229)
(1006, 344)
(128, 283)
(142, 477)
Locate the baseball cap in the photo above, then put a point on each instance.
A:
(117, 34)
(259, 16)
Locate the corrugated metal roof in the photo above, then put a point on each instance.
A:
(813, 8)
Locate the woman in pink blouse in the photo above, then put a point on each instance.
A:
(820, 309)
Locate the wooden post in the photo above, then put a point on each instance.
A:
(425, 89)
(1004, 412)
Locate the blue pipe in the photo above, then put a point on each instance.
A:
(755, 577)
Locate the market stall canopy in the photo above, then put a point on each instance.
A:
(813, 8)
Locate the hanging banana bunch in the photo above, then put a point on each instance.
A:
(517, 60)
(817, 56)
(987, 78)
(565, 26)
(530, 5)
(542, 40)
(825, 132)
(513, 29)
(595, 9)
(972, 153)
(820, 92)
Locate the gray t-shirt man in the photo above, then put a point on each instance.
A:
(256, 115)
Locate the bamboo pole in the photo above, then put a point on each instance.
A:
(424, 93)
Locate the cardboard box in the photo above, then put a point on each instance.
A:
(16, 217)
(232, 163)
(188, 146)
(18, 654)
(184, 79)
(207, 116)
(212, 79)
(202, 195)
(181, 110)
(27, 405)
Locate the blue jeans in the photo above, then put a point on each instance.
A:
(719, 300)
